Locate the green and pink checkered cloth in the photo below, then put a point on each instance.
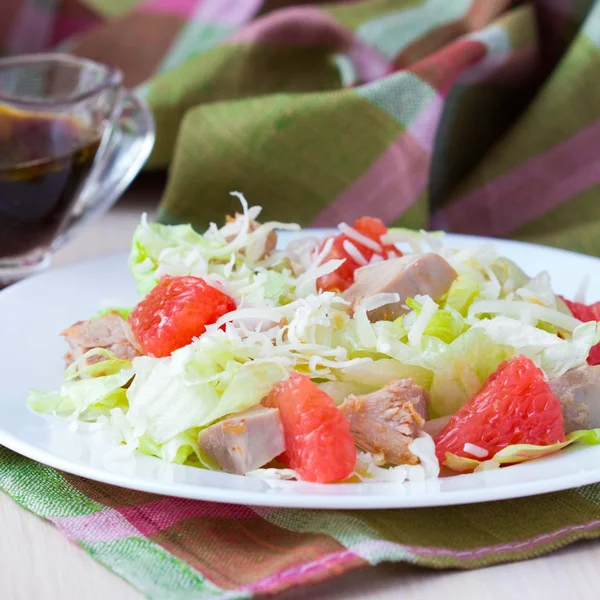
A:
(476, 116)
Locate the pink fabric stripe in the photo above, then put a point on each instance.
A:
(227, 13)
(367, 61)
(31, 31)
(264, 511)
(302, 25)
(424, 128)
(299, 572)
(145, 519)
(68, 25)
(102, 526)
(390, 186)
(563, 6)
(308, 26)
(528, 191)
(365, 549)
(506, 68)
(156, 516)
(181, 8)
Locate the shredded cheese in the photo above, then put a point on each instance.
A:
(359, 237)
(418, 329)
(354, 252)
(377, 301)
(474, 450)
(520, 310)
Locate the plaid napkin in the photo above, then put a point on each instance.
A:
(479, 116)
(171, 548)
(475, 116)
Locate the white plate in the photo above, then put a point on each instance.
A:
(33, 312)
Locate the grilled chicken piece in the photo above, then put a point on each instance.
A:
(426, 274)
(111, 331)
(245, 441)
(579, 393)
(385, 422)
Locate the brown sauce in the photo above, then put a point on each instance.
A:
(44, 159)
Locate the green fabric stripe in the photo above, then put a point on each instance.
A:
(142, 563)
(231, 72)
(591, 26)
(477, 115)
(402, 95)
(591, 493)
(417, 215)
(354, 14)
(194, 38)
(566, 104)
(111, 8)
(520, 25)
(348, 528)
(474, 119)
(40, 489)
(152, 570)
(459, 528)
(573, 225)
(321, 143)
(392, 32)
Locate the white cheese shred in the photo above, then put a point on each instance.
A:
(582, 290)
(278, 474)
(354, 253)
(377, 301)
(474, 450)
(418, 329)
(324, 252)
(359, 237)
(518, 310)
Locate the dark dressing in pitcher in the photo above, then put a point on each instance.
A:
(44, 159)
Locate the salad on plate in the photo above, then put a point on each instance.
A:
(368, 355)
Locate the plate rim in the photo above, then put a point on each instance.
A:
(290, 499)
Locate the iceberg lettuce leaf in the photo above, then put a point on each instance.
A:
(518, 453)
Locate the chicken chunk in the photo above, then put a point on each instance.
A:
(245, 441)
(385, 422)
(426, 274)
(579, 393)
(111, 331)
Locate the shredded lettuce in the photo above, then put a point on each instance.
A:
(88, 366)
(88, 391)
(510, 276)
(462, 293)
(234, 256)
(124, 312)
(380, 372)
(167, 398)
(554, 355)
(162, 249)
(340, 390)
(445, 324)
(461, 368)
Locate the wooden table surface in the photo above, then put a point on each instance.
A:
(37, 562)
